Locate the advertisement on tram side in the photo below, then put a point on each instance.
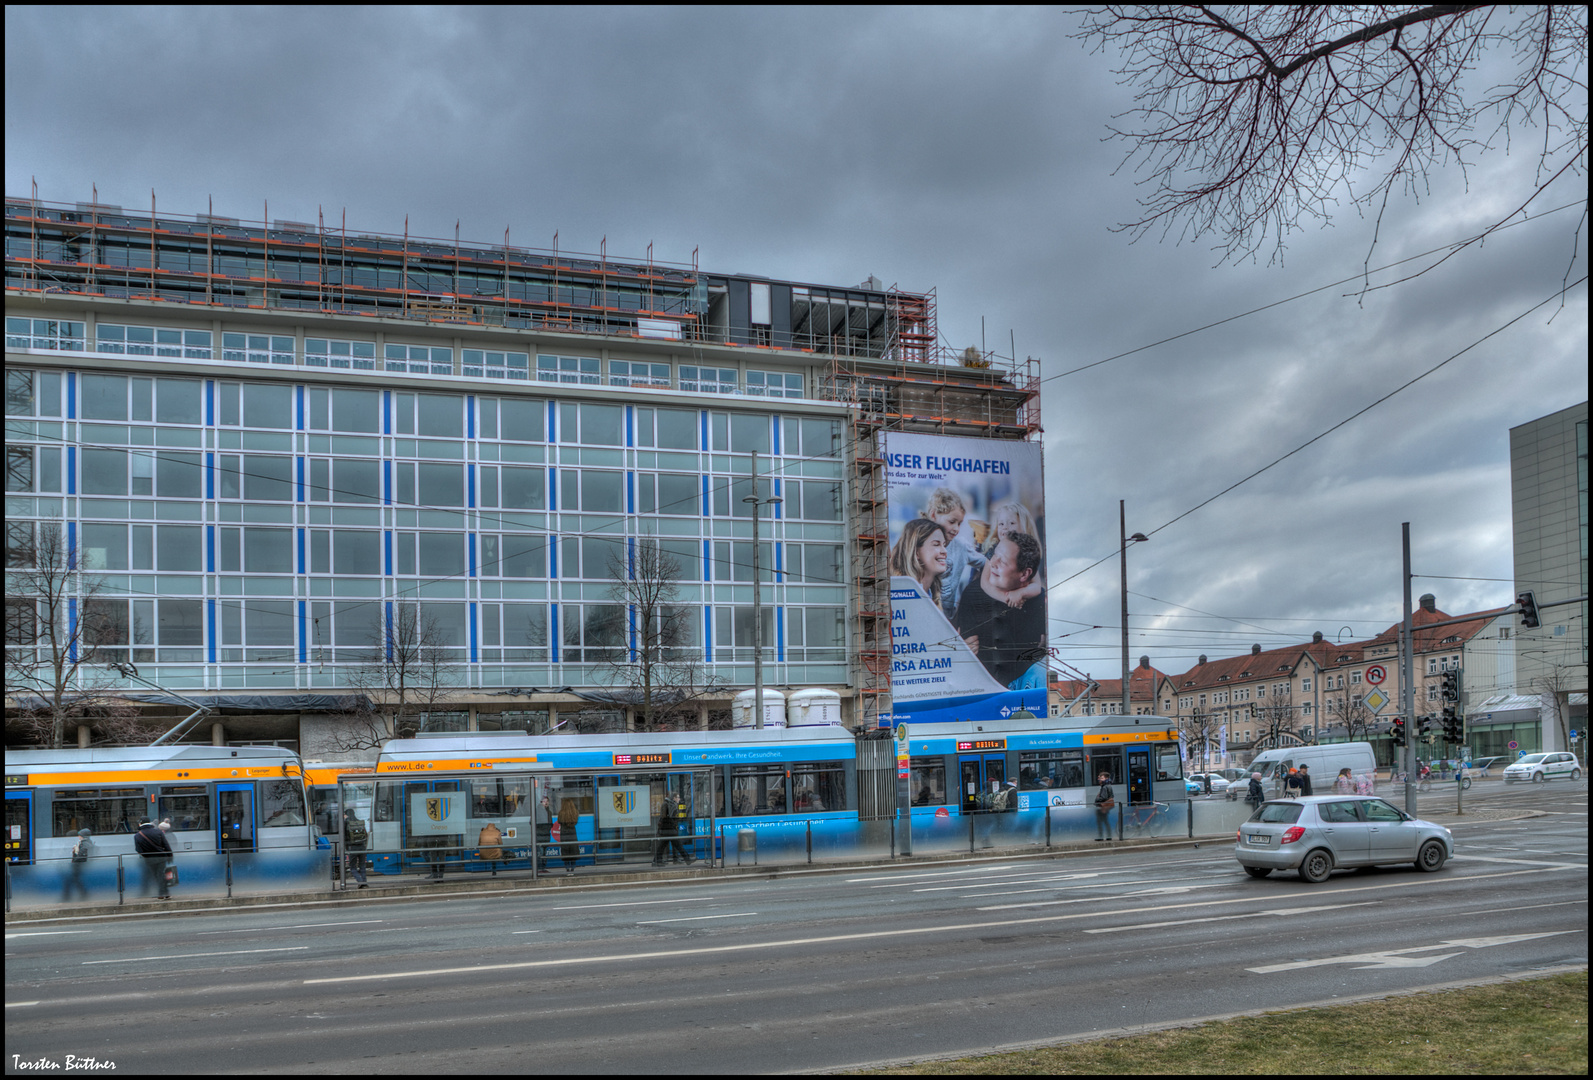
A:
(967, 566)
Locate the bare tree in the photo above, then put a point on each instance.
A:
(60, 635)
(662, 666)
(1199, 730)
(1251, 118)
(1351, 712)
(1555, 686)
(1275, 718)
(406, 673)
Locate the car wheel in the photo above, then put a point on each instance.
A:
(1537, 778)
(1258, 871)
(1465, 783)
(1317, 866)
(1431, 857)
(1576, 774)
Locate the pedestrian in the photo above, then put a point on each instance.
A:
(356, 841)
(80, 857)
(152, 844)
(490, 845)
(687, 826)
(1256, 794)
(1104, 801)
(1305, 780)
(1291, 783)
(569, 847)
(1345, 784)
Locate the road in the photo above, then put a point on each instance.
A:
(803, 972)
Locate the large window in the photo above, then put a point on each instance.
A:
(928, 784)
(152, 341)
(33, 393)
(514, 419)
(592, 633)
(774, 384)
(569, 369)
(514, 555)
(491, 364)
(806, 436)
(419, 359)
(669, 493)
(666, 429)
(812, 500)
(515, 634)
(706, 380)
(104, 810)
(592, 490)
(257, 348)
(597, 425)
(598, 558)
(815, 634)
(52, 334)
(637, 373)
(324, 352)
(1051, 769)
(814, 564)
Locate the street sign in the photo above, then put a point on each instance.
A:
(1376, 674)
(1376, 700)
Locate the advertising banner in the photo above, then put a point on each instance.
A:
(438, 813)
(967, 565)
(629, 806)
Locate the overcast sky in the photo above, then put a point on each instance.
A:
(944, 149)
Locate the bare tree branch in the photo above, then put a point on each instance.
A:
(1250, 119)
(407, 672)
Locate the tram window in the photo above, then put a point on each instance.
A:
(1110, 763)
(1050, 769)
(500, 798)
(1169, 766)
(325, 810)
(105, 810)
(386, 799)
(929, 782)
(281, 803)
(186, 807)
(757, 789)
(818, 786)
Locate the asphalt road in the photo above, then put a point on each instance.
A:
(803, 972)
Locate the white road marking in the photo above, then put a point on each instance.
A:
(694, 918)
(20, 1004)
(295, 926)
(632, 903)
(192, 956)
(1396, 958)
(45, 933)
(527, 932)
(1223, 918)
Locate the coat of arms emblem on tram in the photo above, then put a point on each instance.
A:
(624, 802)
(437, 807)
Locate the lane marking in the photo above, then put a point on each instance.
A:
(44, 933)
(526, 932)
(747, 946)
(1423, 881)
(20, 1004)
(632, 903)
(695, 918)
(1223, 918)
(1396, 958)
(192, 956)
(295, 926)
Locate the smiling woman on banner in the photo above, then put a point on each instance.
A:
(920, 554)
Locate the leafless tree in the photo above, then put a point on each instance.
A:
(661, 668)
(406, 673)
(1200, 731)
(1249, 119)
(60, 635)
(1349, 711)
(1555, 685)
(1275, 718)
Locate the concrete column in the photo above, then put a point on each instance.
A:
(82, 737)
(218, 734)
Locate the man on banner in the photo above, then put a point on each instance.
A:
(1007, 640)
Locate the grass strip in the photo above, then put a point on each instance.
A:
(1525, 1026)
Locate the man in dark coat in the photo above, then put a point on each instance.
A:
(150, 842)
(1007, 640)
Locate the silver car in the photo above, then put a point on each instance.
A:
(1318, 834)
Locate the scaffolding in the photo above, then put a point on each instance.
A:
(918, 385)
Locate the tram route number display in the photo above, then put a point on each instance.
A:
(641, 759)
(981, 744)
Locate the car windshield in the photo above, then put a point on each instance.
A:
(1277, 813)
(1532, 759)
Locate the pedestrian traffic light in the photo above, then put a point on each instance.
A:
(1529, 609)
(1399, 731)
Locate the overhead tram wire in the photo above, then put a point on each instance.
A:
(1557, 294)
(1450, 247)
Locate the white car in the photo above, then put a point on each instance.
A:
(1218, 782)
(1541, 767)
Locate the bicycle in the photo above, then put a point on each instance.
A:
(1424, 784)
(1147, 820)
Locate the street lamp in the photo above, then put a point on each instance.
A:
(1123, 541)
(757, 594)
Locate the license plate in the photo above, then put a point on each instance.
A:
(1258, 839)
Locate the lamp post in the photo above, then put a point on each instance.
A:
(757, 594)
(1123, 541)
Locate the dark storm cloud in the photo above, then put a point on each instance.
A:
(956, 149)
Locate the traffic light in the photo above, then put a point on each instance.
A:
(1529, 609)
(1449, 695)
(1399, 731)
(1425, 727)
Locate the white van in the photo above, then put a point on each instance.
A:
(1325, 762)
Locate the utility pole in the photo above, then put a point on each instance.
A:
(1407, 690)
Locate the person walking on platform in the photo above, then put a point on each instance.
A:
(569, 847)
(668, 830)
(490, 844)
(150, 842)
(1104, 801)
(356, 841)
(80, 857)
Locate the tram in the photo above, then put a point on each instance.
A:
(219, 799)
(430, 798)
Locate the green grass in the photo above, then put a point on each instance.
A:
(1529, 1026)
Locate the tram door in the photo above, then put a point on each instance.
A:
(982, 775)
(235, 817)
(19, 827)
(1139, 777)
